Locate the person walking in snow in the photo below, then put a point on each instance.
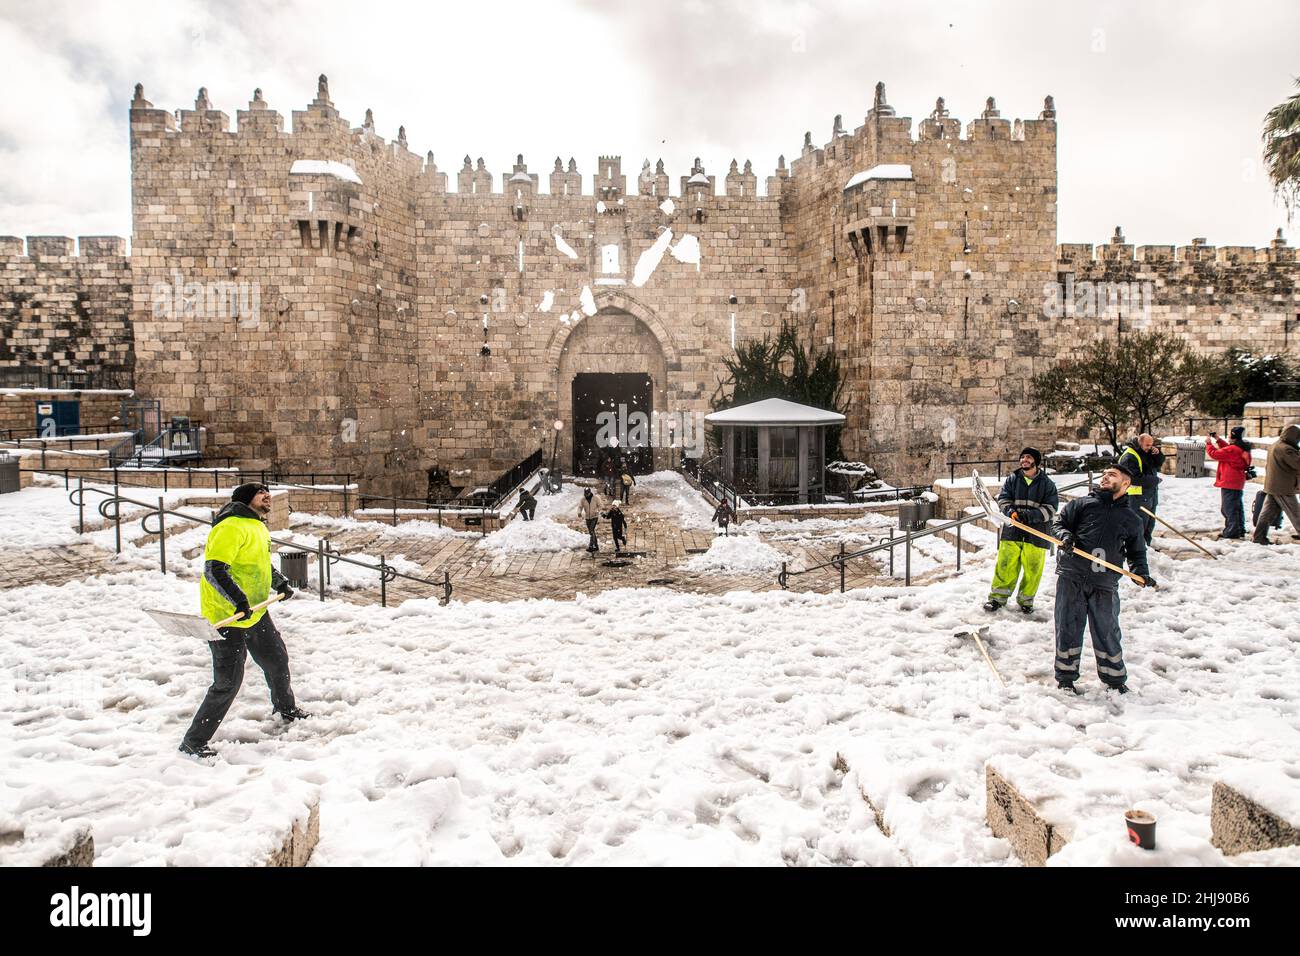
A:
(589, 511)
(1281, 482)
(617, 525)
(527, 504)
(722, 516)
(1101, 524)
(237, 574)
(1031, 498)
(1234, 462)
(626, 481)
(1145, 490)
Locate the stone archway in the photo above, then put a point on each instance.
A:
(622, 337)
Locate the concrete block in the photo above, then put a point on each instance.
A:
(1016, 820)
(299, 841)
(1239, 824)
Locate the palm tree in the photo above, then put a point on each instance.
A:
(1282, 151)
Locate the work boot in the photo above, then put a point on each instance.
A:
(289, 716)
(201, 752)
(1068, 685)
(1026, 609)
(1118, 688)
(992, 606)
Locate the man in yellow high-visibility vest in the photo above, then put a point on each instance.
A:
(1144, 455)
(237, 574)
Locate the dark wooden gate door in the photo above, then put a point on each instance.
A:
(620, 394)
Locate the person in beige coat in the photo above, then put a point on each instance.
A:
(1281, 482)
(589, 511)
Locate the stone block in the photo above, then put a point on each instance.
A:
(57, 845)
(1016, 820)
(300, 841)
(1240, 824)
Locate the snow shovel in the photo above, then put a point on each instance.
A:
(1176, 531)
(991, 509)
(977, 635)
(190, 625)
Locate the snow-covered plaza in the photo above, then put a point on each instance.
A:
(649, 724)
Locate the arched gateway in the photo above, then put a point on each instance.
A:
(611, 368)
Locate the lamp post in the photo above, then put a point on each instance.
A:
(553, 480)
(672, 452)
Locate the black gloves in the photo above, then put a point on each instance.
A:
(285, 590)
(1149, 582)
(1067, 544)
(243, 611)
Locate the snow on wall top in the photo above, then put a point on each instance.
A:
(775, 411)
(324, 167)
(883, 171)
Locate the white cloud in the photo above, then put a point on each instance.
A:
(1145, 141)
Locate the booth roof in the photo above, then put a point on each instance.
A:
(776, 412)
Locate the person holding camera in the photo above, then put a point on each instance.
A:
(1234, 468)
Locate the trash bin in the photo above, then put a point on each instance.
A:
(909, 516)
(293, 565)
(1190, 462)
(10, 480)
(925, 510)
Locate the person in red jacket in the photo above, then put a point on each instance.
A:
(1234, 461)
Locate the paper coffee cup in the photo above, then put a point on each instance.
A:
(1141, 829)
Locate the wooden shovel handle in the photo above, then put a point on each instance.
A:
(256, 607)
(1091, 557)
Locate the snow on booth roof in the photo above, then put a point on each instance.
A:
(324, 167)
(883, 171)
(774, 411)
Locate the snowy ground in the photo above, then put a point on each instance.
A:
(648, 726)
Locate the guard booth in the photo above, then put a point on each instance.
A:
(775, 449)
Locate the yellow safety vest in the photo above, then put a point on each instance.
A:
(1135, 488)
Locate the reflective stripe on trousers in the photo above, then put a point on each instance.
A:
(1080, 602)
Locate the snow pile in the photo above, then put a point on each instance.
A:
(649, 260)
(587, 301)
(687, 250)
(737, 554)
(563, 246)
(548, 300)
(541, 534)
(672, 496)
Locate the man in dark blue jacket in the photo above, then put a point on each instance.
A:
(1029, 497)
(1101, 524)
(1144, 453)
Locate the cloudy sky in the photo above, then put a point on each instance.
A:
(1159, 103)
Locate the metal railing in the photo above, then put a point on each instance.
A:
(171, 443)
(65, 433)
(26, 376)
(174, 479)
(506, 483)
(905, 541)
(113, 502)
(954, 465)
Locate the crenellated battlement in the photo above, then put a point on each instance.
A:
(884, 132)
(1118, 252)
(44, 249)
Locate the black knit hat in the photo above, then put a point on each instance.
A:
(1033, 453)
(1128, 466)
(1237, 432)
(245, 493)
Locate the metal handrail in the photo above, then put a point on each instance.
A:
(952, 465)
(1258, 419)
(386, 571)
(839, 560)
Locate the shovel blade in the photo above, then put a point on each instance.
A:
(985, 500)
(185, 625)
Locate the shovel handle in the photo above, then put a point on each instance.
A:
(1096, 560)
(256, 607)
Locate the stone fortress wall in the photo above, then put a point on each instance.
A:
(322, 299)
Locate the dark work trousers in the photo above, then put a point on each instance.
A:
(627, 491)
(263, 641)
(1080, 601)
(1274, 507)
(593, 544)
(1149, 499)
(1232, 507)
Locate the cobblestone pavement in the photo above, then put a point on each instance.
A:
(658, 545)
